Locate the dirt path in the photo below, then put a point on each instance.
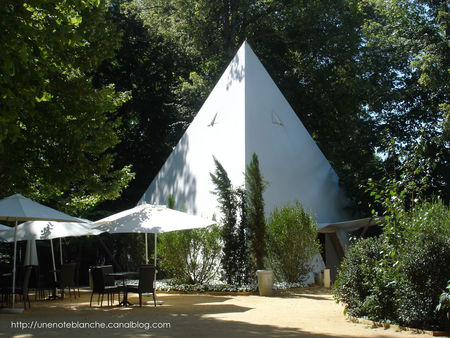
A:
(295, 313)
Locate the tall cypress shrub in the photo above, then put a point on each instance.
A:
(233, 204)
(228, 204)
(243, 239)
(255, 186)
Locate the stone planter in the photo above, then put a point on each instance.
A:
(265, 282)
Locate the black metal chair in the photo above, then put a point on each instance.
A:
(40, 282)
(67, 278)
(109, 280)
(100, 286)
(5, 280)
(146, 283)
(21, 289)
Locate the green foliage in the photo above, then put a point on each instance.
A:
(424, 264)
(245, 270)
(171, 202)
(358, 280)
(411, 261)
(255, 186)
(190, 256)
(407, 181)
(56, 128)
(399, 278)
(444, 301)
(406, 52)
(234, 232)
(149, 68)
(227, 200)
(292, 242)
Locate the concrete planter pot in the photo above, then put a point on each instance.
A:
(265, 282)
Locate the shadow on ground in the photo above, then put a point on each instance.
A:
(186, 316)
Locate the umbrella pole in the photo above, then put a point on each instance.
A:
(60, 250)
(146, 249)
(53, 260)
(155, 251)
(154, 262)
(14, 266)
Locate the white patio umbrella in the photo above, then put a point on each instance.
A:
(48, 230)
(148, 218)
(19, 208)
(43, 230)
(31, 257)
(4, 227)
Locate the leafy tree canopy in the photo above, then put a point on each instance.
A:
(56, 128)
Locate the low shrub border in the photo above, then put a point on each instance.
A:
(169, 286)
(398, 327)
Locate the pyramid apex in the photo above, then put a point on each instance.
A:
(244, 46)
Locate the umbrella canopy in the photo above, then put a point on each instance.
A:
(42, 230)
(148, 218)
(31, 257)
(20, 208)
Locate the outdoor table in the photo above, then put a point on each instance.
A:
(124, 275)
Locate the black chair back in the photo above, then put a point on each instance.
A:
(146, 278)
(109, 280)
(98, 280)
(68, 274)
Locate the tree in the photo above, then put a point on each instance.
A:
(227, 200)
(234, 231)
(57, 129)
(243, 254)
(407, 61)
(255, 186)
(148, 67)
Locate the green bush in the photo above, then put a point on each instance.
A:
(400, 275)
(425, 266)
(191, 256)
(361, 285)
(292, 242)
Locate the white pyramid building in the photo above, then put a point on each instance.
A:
(245, 114)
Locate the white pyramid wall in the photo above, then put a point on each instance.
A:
(247, 113)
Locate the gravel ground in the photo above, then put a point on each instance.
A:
(309, 312)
